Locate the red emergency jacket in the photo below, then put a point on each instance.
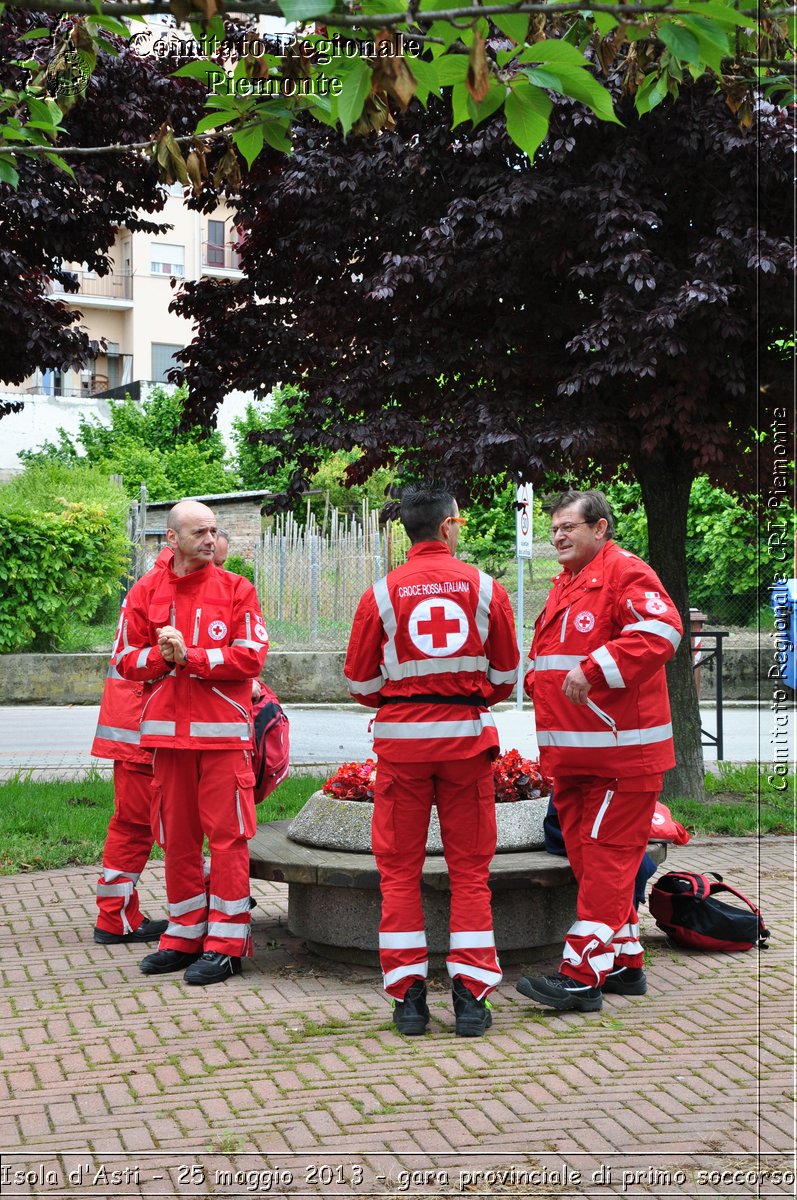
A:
(207, 703)
(614, 620)
(118, 735)
(433, 627)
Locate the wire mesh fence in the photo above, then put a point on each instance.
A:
(310, 578)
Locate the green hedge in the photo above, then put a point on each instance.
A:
(62, 557)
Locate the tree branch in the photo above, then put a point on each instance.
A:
(117, 8)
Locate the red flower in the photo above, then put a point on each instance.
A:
(518, 778)
(352, 781)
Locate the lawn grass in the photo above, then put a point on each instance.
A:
(740, 802)
(45, 825)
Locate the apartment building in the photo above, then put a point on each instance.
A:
(129, 309)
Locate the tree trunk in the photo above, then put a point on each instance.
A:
(666, 482)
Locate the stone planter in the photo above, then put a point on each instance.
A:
(332, 824)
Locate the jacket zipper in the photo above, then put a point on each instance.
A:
(634, 611)
(196, 625)
(564, 623)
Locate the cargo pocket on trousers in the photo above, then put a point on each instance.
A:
(486, 835)
(383, 818)
(156, 814)
(245, 802)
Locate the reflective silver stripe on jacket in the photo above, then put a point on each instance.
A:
(131, 736)
(143, 655)
(415, 939)
(221, 929)
(437, 666)
(366, 687)
(113, 673)
(661, 628)
(250, 645)
(483, 606)
(230, 908)
(217, 729)
(557, 662)
(215, 658)
(610, 669)
(623, 737)
(186, 906)
(502, 676)
(389, 654)
(415, 730)
(158, 729)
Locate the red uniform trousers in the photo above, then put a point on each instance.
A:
(127, 847)
(605, 825)
(464, 793)
(206, 793)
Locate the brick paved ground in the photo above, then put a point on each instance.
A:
(294, 1070)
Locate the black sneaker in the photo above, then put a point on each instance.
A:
(411, 1015)
(561, 991)
(162, 962)
(212, 967)
(625, 981)
(148, 931)
(473, 1017)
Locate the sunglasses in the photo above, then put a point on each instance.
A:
(459, 520)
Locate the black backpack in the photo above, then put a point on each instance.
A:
(685, 907)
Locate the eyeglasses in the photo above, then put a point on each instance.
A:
(567, 529)
(459, 520)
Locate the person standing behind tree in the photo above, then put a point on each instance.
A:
(432, 646)
(195, 635)
(602, 715)
(129, 840)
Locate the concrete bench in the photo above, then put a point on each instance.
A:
(334, 902)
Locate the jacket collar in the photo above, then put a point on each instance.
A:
(427, 549)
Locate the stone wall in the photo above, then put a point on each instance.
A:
(297, 676)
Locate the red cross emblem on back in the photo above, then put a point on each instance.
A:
(438, 627)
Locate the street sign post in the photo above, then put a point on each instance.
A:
(524, 536)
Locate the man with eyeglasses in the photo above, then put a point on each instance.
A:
(432, 646)
(602, 715)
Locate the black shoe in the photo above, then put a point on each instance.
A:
(162, 962)
(212, 967)
(561, 991)
(148, 931)
(626, 981)
(473, 1017)
(411, 1015)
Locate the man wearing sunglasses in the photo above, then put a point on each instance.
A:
(603, 727)
(432, 646)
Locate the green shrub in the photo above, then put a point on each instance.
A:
(65, 550)
(240, 566)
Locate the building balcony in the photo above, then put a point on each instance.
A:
(98, 289)
(219, 258)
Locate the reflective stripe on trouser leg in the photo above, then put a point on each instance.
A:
(127, 847)
(627, 947)
(465, 797)
(227, 812)
(403, 796)
(605, 861)
(177, 775)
